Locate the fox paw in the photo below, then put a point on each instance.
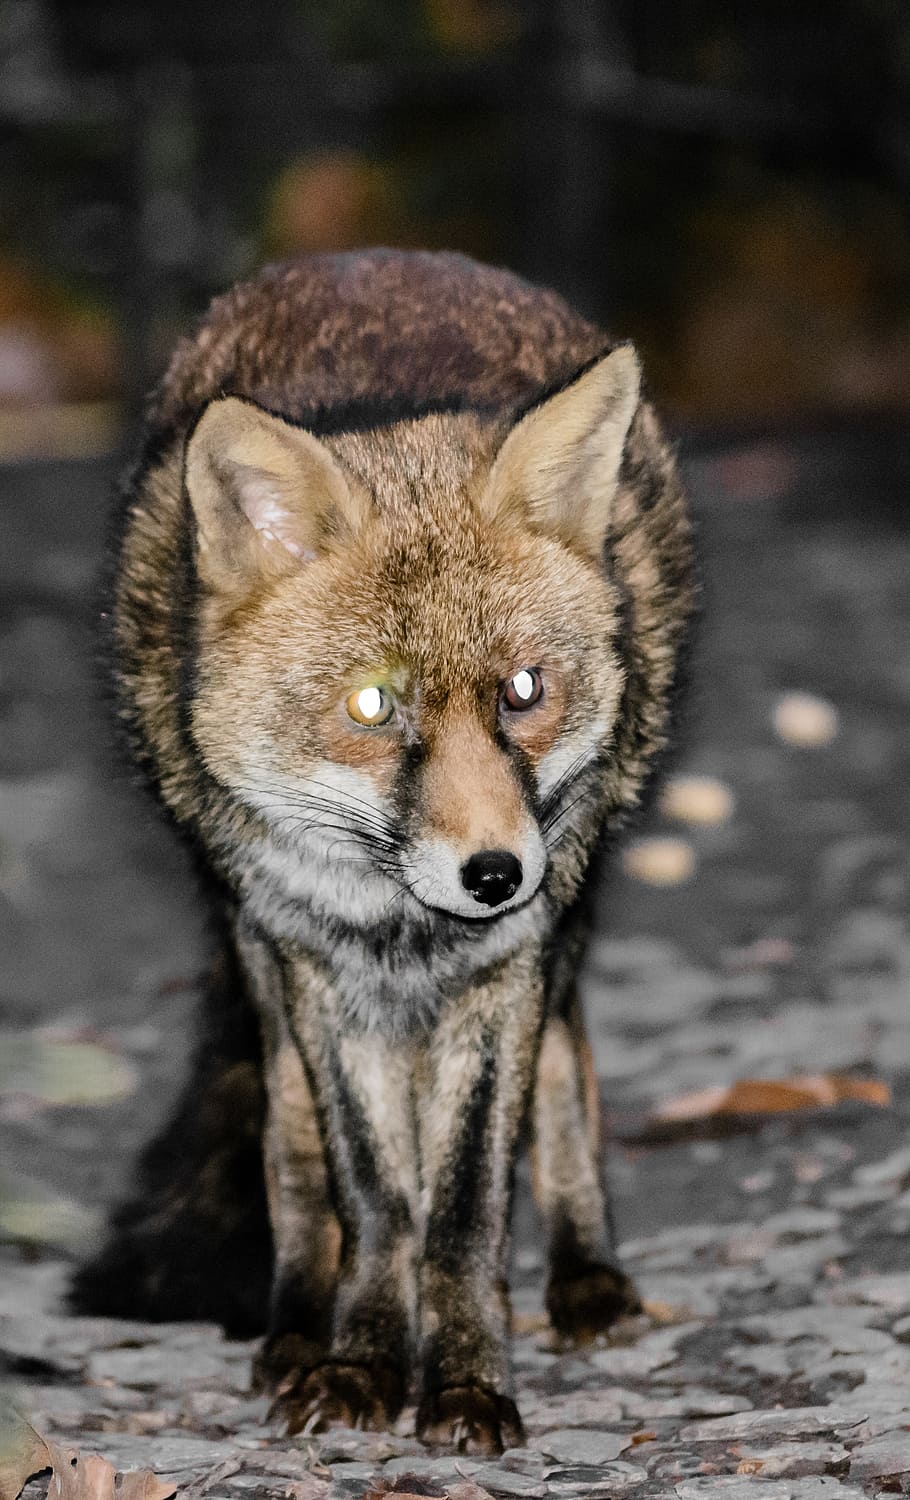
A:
(469, 1419)
(282, 1357)
(350, 1395)
(587, 1304)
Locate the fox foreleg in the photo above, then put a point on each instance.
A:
(305, 1231)
(587, 1290)
(363, 1088)
(473, 1096)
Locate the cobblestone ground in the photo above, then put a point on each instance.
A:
(762, 937)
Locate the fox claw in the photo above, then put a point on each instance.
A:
(349, 1395)
(470, 1419)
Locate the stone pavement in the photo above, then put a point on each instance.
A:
(762, 934)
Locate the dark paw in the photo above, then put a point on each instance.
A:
(589, 1303)
(469, 1419)
(350, 1395)
(283, 1355)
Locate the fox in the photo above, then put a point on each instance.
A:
(400, 603)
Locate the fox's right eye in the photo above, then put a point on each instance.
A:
(370, 706)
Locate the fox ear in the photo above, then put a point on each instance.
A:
(559, 467)
(266, 495)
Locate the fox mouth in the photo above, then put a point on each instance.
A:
(480, 917)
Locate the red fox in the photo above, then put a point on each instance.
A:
(404, 581)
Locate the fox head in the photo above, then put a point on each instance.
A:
(405, 633)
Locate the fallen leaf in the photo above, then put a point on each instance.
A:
(697, 799)
(664, 1313)
(532, 1322)
(800, 719)
(25, 1453)
(310, 1488)
(30, 1211)
(405, 1487)
(772, 1096)
(642, 1437)
(659, 861)
(56, 1070)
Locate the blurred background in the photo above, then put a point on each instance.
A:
(727, 183)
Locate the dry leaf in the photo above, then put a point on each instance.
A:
(305, 1489)
(142, 1484)
(309, 1488)
(530, 1322)
(659, 861)
(697, 799)
(664, 1313)
(642, 1437)
(405, 1487)
(59, 1069)
(803, 720)
(93, 1478)
(24, 1453)
(773, 1096)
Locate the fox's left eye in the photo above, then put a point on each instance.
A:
(523, 690)
(370, 706)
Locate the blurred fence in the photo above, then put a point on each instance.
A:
(727, 183)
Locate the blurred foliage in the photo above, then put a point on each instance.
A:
(369, 31)
(150, 157)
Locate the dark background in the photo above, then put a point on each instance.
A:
(727, 183)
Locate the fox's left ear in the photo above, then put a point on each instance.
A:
(265, 495)
(559, 467)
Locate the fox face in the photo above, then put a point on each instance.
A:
(405, 653)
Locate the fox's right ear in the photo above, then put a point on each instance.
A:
(558, 469)
(265, 495)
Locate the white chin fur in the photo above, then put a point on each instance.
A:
(433, 871)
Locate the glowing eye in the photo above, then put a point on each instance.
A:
(370, 706)
(523, 690)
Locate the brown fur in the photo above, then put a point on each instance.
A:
(414, 471)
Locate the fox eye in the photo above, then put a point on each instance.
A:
(370, 706)
(523, 690)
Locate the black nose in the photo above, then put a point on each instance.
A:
(491, 876)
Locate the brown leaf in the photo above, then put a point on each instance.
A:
(309, 1488)
(405, 1487)
(142, 1484)
(91, 1477)
(533, 1322)
(659, 861)
(664, 1313)
(23, 1453)
(772, 1096)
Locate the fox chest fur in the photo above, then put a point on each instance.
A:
(403, 583)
